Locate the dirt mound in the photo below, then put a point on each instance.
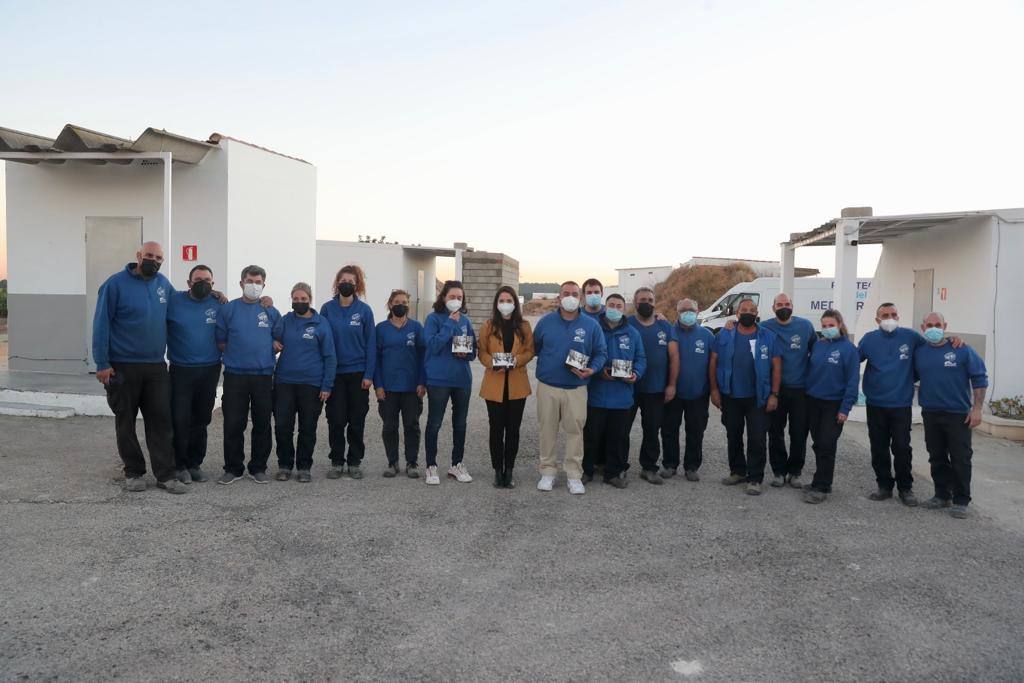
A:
(703, 283)
(539, 306)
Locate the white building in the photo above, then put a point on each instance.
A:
(387, 267)
(631, 279)
(965, 265)
(78, 207)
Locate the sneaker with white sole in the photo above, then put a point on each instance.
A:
(460, 473)
(547, 483)
(432, 477)
(228, 478)
(576, 486)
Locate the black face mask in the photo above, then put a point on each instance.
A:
(645, 310)
(747, 319)
(399, 310)
(200, 289)
(300, 307)
(346, 289)
(149, 267)
(783, 314)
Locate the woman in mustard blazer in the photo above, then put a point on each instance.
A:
(505, 348)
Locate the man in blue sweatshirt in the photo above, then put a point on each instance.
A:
(745, 373)
(953, 383)
(129, 339)
(796, 336)
(593, 297)
(245, 335)
(692, 394)
(570, 348)
(657, 385)
(195, 369)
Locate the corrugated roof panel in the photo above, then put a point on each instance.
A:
(185, 150)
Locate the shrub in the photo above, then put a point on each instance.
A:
(1010, 407)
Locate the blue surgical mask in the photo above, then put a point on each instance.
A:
(830, 332)
(934, 335)
(593, 300)
(613, 314)
(688, 318)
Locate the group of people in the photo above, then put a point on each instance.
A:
(596, 370)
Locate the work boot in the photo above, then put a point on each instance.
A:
(283, 475)
(134, 484)
(908, 498)
(304, 477)
(795, 481)
(617, 482)
(412, 471)
(778, 482)
(172, 486)
(651, 476)
(934, 503)
(587, 478)
(510, 483)
(958, 511)
(499, 479)
(197, 474)
(753, 488)
(391, 471)
(734, 479)
(814, 497)
(881, 494)
(336, 471)
(183, 476)
(355, 472)
(691, 475)
(668, 473)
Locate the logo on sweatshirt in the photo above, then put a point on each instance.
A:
(624, 343)
(581, 335)
(357, 319)
(410, 339)
(795, 341)
(162, 293)
(310, 332)
(262, 320)
(904, 351)
(698, 346)
(764, 352)
(950, 360)
(211, 316)
(834, 357)
(662, 338)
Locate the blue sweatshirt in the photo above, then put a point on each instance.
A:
(553, 339)
(400, 352)
(656, 338)
(130, 323)
(695, 344)
(354, 334)
(889, 375)
(308, 353)
(947, 377)
(444, 368)
(795, 342)
(624, 343)
(192, 330)
(834, 372)
(247, 330)
(765, 350)
(596, 316)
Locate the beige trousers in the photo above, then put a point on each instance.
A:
(565, 409)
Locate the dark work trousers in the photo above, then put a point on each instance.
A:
(948, 440)
(193, 393)
(695, 413)
(409, 406)
(146, 387)
(889, 428)
(437, 403)
(291, 400)
(346, 417)
(737, 414)
(792, 408)
(825, 431)
(605, 431)
(245, 395)
(652, 414)
(505, 418)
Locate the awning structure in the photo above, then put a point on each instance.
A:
(77, 140)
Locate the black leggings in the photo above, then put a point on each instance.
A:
(505, 418)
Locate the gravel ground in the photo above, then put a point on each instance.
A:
(391, 579)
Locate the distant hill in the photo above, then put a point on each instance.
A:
(528, 289)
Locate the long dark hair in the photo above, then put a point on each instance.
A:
(516, 317)
(448, 286)
(838, 317)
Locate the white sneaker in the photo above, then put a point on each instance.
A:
(460, 473)
(546, 483)
(432, 477)
(576, 486)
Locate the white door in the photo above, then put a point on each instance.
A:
(924, 282)
(110, 243)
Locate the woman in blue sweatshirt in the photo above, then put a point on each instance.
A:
(449, 376)
(400, 382)
(833, 373)
(302, 381)
(610, 398)
(355, 346)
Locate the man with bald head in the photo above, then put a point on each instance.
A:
(129, 340)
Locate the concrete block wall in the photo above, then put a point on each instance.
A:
(483, 272)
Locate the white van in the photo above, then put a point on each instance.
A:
(811, 298)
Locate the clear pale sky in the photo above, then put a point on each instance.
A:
(578, 136)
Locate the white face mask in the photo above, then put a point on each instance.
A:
(570, 304)
(453, 305)
(252, 291)
(506, 308)
(889, 325)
